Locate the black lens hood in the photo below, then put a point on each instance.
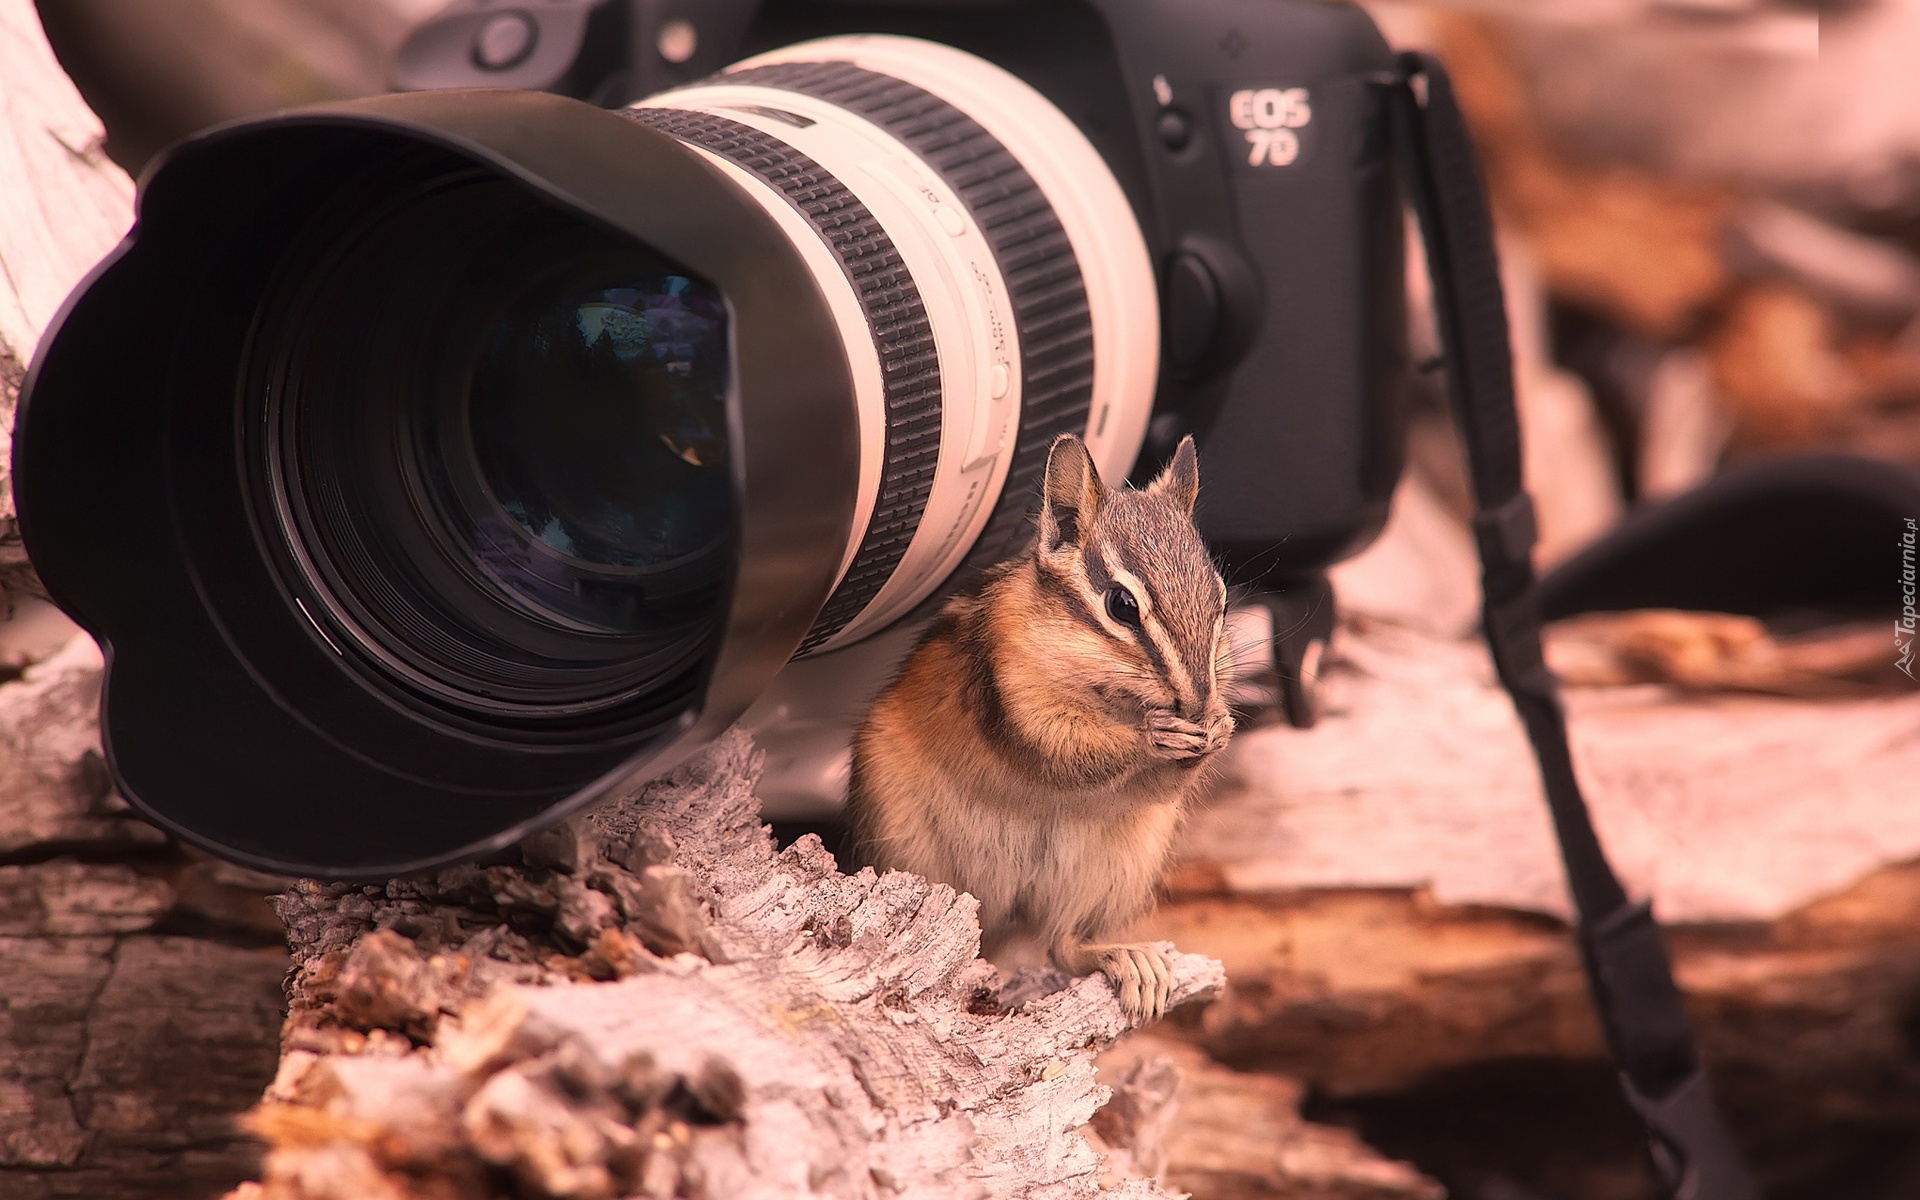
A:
(227, 717)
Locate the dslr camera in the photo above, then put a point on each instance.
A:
(429, 465)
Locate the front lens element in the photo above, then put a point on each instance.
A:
(497, 450)
(598, 423)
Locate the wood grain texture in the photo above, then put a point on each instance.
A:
(839, 1037)
(1386, 895)
(1720, 807)
(55, 792)
(1805, 1022)
(125, 1050)
(1223, 1134)
(140, 997)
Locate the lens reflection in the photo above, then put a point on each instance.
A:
(598, 424)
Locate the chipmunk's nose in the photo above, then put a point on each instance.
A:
(1194, 692)
(1193, 703)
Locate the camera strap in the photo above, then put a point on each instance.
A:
(1626, 961)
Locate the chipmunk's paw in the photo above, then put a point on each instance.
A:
(1219, 732)
(1173, 736)
(1141, 976)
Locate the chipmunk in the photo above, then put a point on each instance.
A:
(1038, 744)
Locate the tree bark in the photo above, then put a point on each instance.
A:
(140, 992)
(654, 1001)
(1722, 806)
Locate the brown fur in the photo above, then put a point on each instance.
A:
(1036, 752)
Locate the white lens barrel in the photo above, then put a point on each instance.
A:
(988, 276)
(1122, 295)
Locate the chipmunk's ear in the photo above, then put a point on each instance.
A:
(1072, 496)
(1180, 482)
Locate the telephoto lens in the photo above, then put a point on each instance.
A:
(429, 465)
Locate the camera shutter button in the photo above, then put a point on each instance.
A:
(1193, 310)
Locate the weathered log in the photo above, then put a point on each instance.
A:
(1385, 891)
(1709, 652)
(1384, 1000)
(1723, 807)
(55, 795)
(1386, 895)
(139, 985)
(655, 999)
(1229, 1135)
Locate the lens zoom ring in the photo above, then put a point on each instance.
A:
(1044, 285)
(896, 320)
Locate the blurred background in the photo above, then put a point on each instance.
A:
(1709, 218)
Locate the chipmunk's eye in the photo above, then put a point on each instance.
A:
(1122, 607)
